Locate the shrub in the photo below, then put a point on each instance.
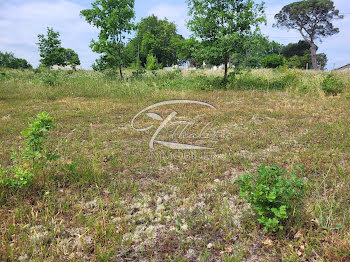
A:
(273, 61)
(332, 85)
(273, 196)
(152, 62)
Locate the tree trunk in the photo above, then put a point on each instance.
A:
(313, 49)
(120, 71)
(225, 77)
(120, 64)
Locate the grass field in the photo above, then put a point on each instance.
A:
(109, 199)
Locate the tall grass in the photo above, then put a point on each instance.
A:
(52, 85)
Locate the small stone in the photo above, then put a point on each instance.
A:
(210, 245)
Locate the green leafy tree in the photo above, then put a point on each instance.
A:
(273, 61)
(71, 57)
(8, 60)
(313, 20)
(296, 49)
(51, 52)
(114, 18)
(189, 50)
(256, 48)
(156, 37)
(304, 61)
(222, 26)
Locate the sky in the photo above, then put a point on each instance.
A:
(22, 20)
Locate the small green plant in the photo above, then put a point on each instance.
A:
(21, 174)
(332, 85)
(272, 195)
(35, 136)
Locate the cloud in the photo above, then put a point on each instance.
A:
(174, 13)
(22, 22)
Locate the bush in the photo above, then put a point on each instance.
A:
(272, 196)
(273, 61)
(332, 85)
(152, 62)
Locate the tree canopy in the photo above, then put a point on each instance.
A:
(313, 20)
(156, 37)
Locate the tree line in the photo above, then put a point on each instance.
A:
(224, 32)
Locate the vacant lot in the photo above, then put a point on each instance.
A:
(109, 199)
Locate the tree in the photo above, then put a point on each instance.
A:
(8, 60)
(304, 61)
(296, 49)
(71, 57)
(52, 53)
(256, 48)
(156, 37)
(312, 18)
(114, 18)
(273, 61)
(222, 26)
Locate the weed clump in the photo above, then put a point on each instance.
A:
(273, 196)
(332, 85)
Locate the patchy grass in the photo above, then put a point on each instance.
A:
(106, 199)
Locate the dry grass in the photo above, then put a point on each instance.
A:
(117, 204)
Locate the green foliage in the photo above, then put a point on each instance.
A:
(256, 47)
(152, 62)
(71, 57)
(272, 195)
(155, 37)
(52, 53)
(295, 49)
(21, 175)
(273, 61)
(113, 17)
(8, 60)
(304, 61)
(223, 26)
(332, 85)
(35, 135)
